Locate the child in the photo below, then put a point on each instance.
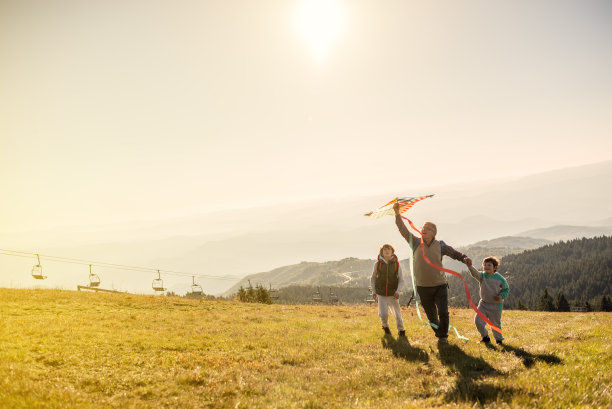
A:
(493, 290)
(387, 281)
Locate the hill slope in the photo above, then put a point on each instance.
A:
(581, 269)
(73, 350)
(337, 273)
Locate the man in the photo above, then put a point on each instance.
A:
(431, 283)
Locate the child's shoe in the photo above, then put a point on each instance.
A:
(402, 333)
(486, 340)
(499, 341)
(387, 330)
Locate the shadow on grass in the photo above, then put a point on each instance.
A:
(401, 348)
(469, 371)
(528, 358)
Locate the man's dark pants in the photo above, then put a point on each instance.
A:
(435, 303)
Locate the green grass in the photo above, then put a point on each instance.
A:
(62, 349)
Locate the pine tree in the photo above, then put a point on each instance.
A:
(561, 303)
(606, 303)
(520, 306)
(263, 295)
(588, 306)
(546, 302)
(251, 296)
(242, 296)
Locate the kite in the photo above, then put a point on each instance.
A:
(405, 204)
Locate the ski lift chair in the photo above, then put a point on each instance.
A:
(370, 299)
(94, 280)
(273, 293)
(37, 272)
(195, 288)
(316, 297)
(333, 298)
(158, 283)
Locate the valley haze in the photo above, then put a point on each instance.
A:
(555, 205)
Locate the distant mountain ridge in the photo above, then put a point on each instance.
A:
(564, 232)
(337, 273)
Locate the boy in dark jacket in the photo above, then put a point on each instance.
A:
(387, 280)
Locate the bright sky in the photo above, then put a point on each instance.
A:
(114, 110)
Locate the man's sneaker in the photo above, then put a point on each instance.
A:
(387, 330)
(486, 340)
(402, 333)
(499, 341)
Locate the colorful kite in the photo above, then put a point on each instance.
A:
(405, 204)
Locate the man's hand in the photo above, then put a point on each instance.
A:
(467, 261)
(396, 296)
(396, 208)
(498, 298)
(375, 297)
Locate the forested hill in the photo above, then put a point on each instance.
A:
(580, 269)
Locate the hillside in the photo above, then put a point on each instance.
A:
(69, 350)
(351, 272)
(336, 273)
(581, 269)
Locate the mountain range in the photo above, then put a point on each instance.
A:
(560, 204)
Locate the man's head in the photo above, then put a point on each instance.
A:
(429, 231)
(490, 264)
(387, 251)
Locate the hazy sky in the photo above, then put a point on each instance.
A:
(120, 110)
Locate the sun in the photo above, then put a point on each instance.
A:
(320, 24)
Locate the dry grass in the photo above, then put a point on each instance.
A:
(62, 349)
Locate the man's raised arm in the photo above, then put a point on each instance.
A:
(403, 229)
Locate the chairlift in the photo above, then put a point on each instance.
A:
(158, 283)
(316, 297)
(37, 272)
(273, 293)
(333, 298)
(195, 288)
(370, 298)
(94, 280)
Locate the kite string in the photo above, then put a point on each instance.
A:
(446, 270)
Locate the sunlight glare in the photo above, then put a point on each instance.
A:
(320, 24)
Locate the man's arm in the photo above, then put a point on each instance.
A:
(454, 254)
(403, 229)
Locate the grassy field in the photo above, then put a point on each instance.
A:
(63, 349)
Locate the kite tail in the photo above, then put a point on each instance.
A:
(446, 270)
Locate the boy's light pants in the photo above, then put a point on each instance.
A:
(384, 303)
(493, 313)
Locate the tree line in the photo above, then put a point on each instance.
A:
(577, 272)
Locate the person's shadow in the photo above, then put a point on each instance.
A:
(470, 370)
(528, 358)
(401, 348)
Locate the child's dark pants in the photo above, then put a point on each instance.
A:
(435, 303)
